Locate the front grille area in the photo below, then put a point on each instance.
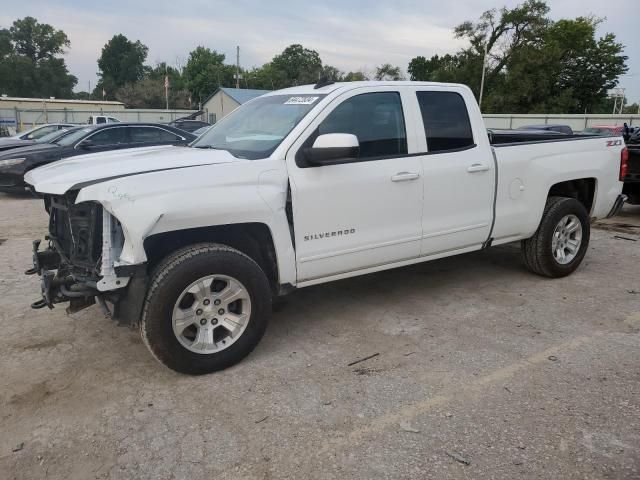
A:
(76, 232)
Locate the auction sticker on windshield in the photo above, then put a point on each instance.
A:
(301, 100)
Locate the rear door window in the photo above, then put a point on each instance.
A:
(109, 136)
(151, 135)
(446, 121)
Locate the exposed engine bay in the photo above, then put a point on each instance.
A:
(83, 242)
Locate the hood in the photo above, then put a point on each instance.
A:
(25, 148)
(59, 177)
(7, 143)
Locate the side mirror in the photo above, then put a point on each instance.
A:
(333, 148)
(86, 144)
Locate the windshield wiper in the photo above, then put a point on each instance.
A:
(209, 147)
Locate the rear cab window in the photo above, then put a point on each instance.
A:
(446, 121)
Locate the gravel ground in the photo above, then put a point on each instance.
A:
(483, 371)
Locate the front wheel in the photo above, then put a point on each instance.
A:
(206, 309)
(561, 241)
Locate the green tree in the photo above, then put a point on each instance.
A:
(263, 78)
(331, 73)
(121, 62)
(6, 45)
(533, 63)
(37, 41)
(149, 93)
(29, 62)
(634, 109)
(205, 71)
(176, 78)
(387, 71)
(82, 95)
(589, 67)
(296, 65)
(355, 77)
(437, 68)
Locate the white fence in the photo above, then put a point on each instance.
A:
(576, 122)
(22, 119)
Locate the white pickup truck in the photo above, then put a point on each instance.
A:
(300, 187)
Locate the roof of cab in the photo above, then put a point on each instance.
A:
(310, 89)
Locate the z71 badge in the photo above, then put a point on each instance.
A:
(614, 143)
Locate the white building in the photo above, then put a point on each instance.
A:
(225, 100)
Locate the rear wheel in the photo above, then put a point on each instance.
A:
(561, 241)
(206, 309)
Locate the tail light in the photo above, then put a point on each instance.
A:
(624, 163)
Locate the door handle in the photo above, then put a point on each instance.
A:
(477, 167)
(404, 176)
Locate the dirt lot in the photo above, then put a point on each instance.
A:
(479, 362)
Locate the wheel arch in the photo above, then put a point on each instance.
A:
(582, 189)
(253, 239)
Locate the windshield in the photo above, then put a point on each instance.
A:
(36, 133)
(53, 135)
(73, 136)
(256, 129)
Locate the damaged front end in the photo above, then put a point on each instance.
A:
(79, 264)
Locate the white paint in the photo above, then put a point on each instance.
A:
(443, 205)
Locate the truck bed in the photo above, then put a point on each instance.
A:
(528, 169)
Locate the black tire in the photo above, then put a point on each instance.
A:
(537, 252)
(167, 283)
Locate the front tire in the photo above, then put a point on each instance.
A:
(561, 241)
(206, 309)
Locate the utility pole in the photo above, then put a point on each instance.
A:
(238, 66)
(484, 66)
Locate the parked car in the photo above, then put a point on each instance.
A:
(189, 125)
(88, 139)
(34, 133)
(200, 131)
(603, 130)
(99, 119)
(632, 175)
(300, 187)
(48, 138)
(549, 128)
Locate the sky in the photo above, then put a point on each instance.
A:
(348, 34)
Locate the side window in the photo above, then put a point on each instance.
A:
(375, 118)
(151, 135)
(446, 121)
(101, 120)
(109, 136)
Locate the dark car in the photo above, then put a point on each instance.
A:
(89, 139)
(14, 142)
(549, 128)
(189, 125)
(631, 186)
(634, 139)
